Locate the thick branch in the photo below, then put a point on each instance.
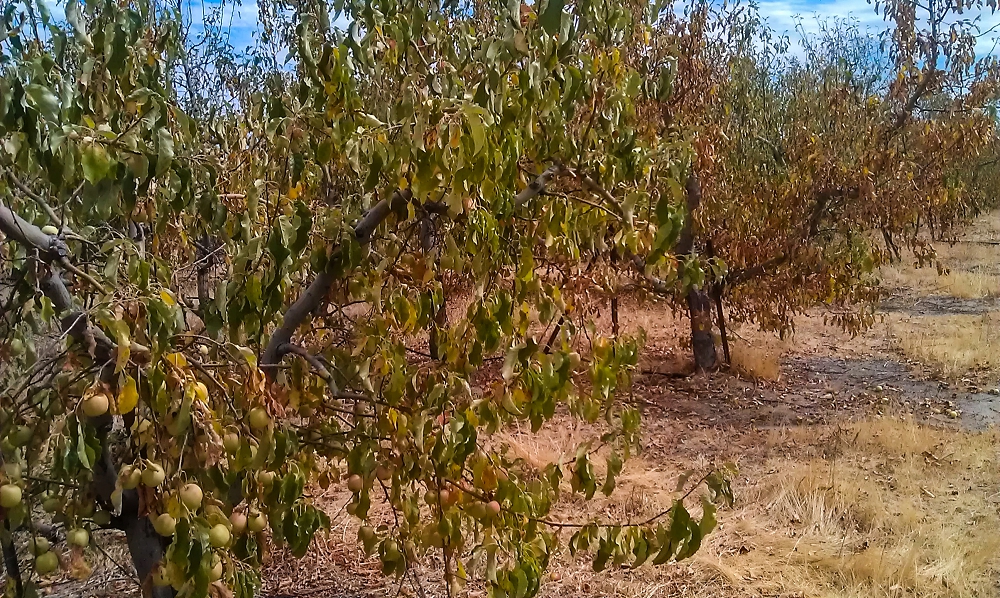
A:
(538, 185)
(315, 294)
(314, 361)
(50, 248)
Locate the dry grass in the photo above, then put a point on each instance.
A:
(757, 358)
(892, 508)
(975, 283)
(876, 508)
(954, 345)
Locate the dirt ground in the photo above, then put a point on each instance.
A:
(867, 465)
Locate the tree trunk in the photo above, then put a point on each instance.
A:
(10, 560)
(699, 301)
(702, 340)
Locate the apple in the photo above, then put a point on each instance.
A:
(130, 476)
(219, 535)
(46, 563)
(203, 350)
(13, 470)
(39, 545)
(78, 537)
(95, 405)
(493, 507)
(51, 504)
(160, 577)
(231, 442)
(239, 522)
(355, 483)
(10, 496)
(266, 478)
(430, 497)
(383, 473)
(259, 419)
(256, 522)
(191, 496)
(574, 360)
(215, 573)
(102, 518)
(164, 525)
(352, 508)
(444, 497)
(391, 550)
(153, 475)
(22, 435)
(50, 230)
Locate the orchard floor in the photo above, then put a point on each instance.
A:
(868, 466)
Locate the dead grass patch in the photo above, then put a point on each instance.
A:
(757, 358)
(875, 508)
(954, 345)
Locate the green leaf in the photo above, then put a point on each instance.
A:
(96, 163)
(551, 17)
(75, 19)
(44, 100)
(165, 151)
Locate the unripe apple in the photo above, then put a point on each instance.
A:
(50, 230)
(39, 545)
(164, 525)
(355, 483)
(78, 537)
(391, 550)
(46, 563)
(383, 473)
(130, 476)
(10, 496)
(95, 405)
(215, 573)
(102, 518)
(153, 475)
(231, 442)
(219, 535)
(256, 522)
(160, 576)
(191, 496)
(51, 504)
(22, 435)
(259, 419)
(266, 478)
(239, 522)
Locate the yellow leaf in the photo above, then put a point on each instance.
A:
(177, 359)
(167, 298)
(128, 396)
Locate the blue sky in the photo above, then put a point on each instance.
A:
(783, 15)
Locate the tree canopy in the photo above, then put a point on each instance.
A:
(228, 280)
